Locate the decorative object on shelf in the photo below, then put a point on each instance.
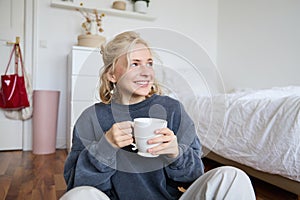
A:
(141, 6)
(108, 11)
(91, 40)
(119, 5)
(92, 27)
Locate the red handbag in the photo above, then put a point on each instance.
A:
(13, 95)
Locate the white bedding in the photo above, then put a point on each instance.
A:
(260, 129)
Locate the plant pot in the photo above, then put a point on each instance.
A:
(141, 7)
(91, 40)
(119, 5)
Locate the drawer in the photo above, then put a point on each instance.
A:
(86, 63)
(85, 88)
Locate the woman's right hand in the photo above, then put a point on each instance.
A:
(120, 134)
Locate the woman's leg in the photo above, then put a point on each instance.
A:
(221, 183)
(84, 192)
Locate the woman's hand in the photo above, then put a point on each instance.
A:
(120, 134)
(168, 146)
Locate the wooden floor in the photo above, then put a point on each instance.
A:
(31, 177)
(24, 176)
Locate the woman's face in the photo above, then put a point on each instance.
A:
(134, 82)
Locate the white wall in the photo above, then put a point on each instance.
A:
(58, 30)
(259, 43)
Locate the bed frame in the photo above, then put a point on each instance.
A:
(277, 180)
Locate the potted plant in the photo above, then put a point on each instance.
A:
(92, 27)
(141, 6)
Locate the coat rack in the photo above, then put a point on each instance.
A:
(12, 43)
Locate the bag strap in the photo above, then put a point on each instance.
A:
(15, 49)
(11, 54)
(24, 73)
(21, 60)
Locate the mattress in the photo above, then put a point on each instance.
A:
(257, 128)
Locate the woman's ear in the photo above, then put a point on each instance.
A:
(111, 77)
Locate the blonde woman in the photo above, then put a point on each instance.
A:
(102, 163)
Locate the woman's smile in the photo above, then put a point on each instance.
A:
(142, 83)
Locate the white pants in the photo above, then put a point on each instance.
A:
(220, 183)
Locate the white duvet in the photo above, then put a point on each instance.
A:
(260, 129)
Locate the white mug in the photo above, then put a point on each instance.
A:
(144, 129)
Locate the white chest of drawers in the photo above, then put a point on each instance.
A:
(84, 65)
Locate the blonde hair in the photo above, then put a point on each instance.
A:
(120, 45)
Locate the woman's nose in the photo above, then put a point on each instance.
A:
(145, 71)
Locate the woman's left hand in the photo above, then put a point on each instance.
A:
(168, 146)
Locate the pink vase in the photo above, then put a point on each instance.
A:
(44, 121)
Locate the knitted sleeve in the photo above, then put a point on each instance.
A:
(86, 164)
(188, 166)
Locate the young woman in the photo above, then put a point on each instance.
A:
(102, 163)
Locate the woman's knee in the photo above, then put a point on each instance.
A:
(230, 174)
(221, 183)
(235, 183)
(84, 192)
(231, 171)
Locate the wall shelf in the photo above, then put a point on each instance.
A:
(108, 11)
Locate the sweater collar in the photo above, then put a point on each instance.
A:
(135, 106)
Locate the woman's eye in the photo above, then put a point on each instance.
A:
(134, 64)
(149, 64)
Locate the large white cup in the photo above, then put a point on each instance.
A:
(144, 129)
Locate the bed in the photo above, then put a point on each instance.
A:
(256, 130)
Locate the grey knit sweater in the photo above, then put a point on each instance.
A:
(122, 173)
